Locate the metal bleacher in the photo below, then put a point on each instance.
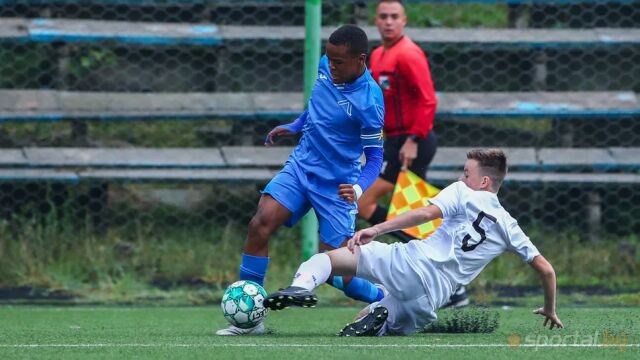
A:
(145, 33)
(23, 105)
(232, 163)
(52, 105)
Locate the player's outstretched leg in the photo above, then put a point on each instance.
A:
(368, 325)
(311, 274)
(291, 296)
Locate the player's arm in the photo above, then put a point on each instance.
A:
(406, 220)
(372, 122)
(297, 126)
(409, 219)
(287, 129)
(372, 145)
(548, 277)
(414, 68)
(444, 205)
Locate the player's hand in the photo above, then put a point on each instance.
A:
(362, 237)
(549, 317)
(347, 192)
(408, 153)
(273, 134)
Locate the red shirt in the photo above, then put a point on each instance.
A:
(402, 71)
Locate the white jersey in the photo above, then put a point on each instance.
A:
(475, 229)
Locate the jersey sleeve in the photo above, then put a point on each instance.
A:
(448, 200)
(519, 243)
(372, 138)
(372, 167)
(297, 125)
(372, 117)
(414, 68)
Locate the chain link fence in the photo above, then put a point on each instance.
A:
(257, 46)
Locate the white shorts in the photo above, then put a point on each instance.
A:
(410, 284)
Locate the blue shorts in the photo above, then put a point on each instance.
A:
(292, 189)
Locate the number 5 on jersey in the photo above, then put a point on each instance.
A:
(476, 226)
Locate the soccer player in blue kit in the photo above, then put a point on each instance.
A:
(344, 118)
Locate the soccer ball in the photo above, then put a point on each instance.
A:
(242, 304)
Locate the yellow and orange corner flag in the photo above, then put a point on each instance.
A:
(411, 192)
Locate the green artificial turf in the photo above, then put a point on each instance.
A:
(187, 332)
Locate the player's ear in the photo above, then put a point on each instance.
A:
(362, 58)
(486, 182)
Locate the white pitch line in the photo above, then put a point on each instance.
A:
(144, 345)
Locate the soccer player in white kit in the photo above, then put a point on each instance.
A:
(420, 276)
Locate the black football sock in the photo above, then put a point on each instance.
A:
(379, 215)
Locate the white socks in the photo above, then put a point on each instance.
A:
(313, 272)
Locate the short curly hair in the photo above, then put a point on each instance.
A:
(353, 37)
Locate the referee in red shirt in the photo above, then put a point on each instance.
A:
(401, 69)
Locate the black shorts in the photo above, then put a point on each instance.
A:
(392, 165)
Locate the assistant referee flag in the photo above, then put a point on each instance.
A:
(411, 192)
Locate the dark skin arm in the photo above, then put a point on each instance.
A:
(275, 133)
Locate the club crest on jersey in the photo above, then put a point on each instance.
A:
(384, 82)
(346, 105)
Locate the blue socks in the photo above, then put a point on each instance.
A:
(359, 289)
(253, 268)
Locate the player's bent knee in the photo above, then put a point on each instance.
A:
(258, 236)
(343, 262)
(261, 225)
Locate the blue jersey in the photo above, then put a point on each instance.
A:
(338, 117)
